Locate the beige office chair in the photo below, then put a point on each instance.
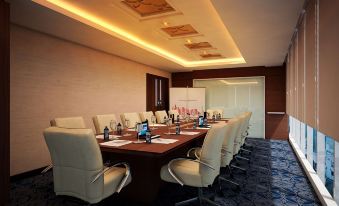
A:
(160, 115)
(199, 172)
(219, 111)
(146, 115)
(133, 119)
(232, 128)
(175, 113)
(210, 113)
(78, 169)
(102, 121)
(69, 122)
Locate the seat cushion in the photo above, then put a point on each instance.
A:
(187, 171)
(112, 179)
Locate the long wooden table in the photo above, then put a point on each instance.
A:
(146, 160)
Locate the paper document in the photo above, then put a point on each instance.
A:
(203, 128)
(157, 125)
(189, 133)
(111, 137)
(163, 141)
(116, 143)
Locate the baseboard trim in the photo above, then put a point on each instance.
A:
(319, 187)
(27, 174)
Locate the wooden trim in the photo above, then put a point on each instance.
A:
(4, 94)
(27, 174)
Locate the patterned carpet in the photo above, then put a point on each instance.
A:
(274, 177)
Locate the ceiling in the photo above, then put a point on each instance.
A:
(172, 35)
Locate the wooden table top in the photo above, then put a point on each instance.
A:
(154, 148)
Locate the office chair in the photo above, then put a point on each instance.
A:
(132, 117)
(199, 172)
(174, 112)
(78, 168)
(102, 121)
(69, 122)
(160, 116)
(146, 115)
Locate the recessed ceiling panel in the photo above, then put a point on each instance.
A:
(199, 45)
(149, 7)
(181, 30)
(211, 56)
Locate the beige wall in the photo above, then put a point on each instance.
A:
(55, 78)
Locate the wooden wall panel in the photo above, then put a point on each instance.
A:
(310, 64)
(292, 81)
(329, 68)
(295, 77)
(4, 102)
(275, 91)
(301, 72)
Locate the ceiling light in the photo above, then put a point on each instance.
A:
(189, 41)
(165, 23)
(237, 83)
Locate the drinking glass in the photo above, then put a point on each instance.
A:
(169, 124)
(153, 120)
(187, 118)
(138, 128)
(113, 126)
(127, 127)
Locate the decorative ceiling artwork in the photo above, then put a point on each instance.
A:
(181, 30)
(149, 7)
(199, 45)
(211, 56)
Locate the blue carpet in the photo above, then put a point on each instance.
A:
(274, 177)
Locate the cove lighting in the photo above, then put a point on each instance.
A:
(107, 27)
(237, 83)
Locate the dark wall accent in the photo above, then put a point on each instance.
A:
(4, 101)
(275, 91)
(152, 91)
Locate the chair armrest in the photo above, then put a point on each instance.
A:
(195, 152)
(123, 181)
(177, 178)
(47, 168)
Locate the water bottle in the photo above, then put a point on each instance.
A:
(205, 122)
(213, 118)
(177, 128)
(178, 118)
(119, 129)
(148, 137)
(106, 134)
(194, 123)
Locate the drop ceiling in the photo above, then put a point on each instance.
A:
(172, 35)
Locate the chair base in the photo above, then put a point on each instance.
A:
(199, 199)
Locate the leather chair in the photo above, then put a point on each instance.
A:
(69, 122)
(160, 115)
(132, 117)
(78, 169)
(199, 172)
(174, 112)
(146, 115)
(102, 121)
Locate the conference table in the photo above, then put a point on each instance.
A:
(146, 159)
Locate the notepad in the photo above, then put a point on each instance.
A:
(157, 125)
(116, 143)
(203, 128)
(163, 141)
(189, 133)
(111, 137)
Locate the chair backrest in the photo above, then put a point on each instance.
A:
(160, 116)
(210, 113)
(211, 152)
(219, 111)
(174, 112)
(233, 126)
(146, 115)
(69, 122)
(101, 121)
(76, 159)
(132, 117)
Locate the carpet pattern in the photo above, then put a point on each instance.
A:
(274, 177)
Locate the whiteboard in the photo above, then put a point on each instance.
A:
(187, 100)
